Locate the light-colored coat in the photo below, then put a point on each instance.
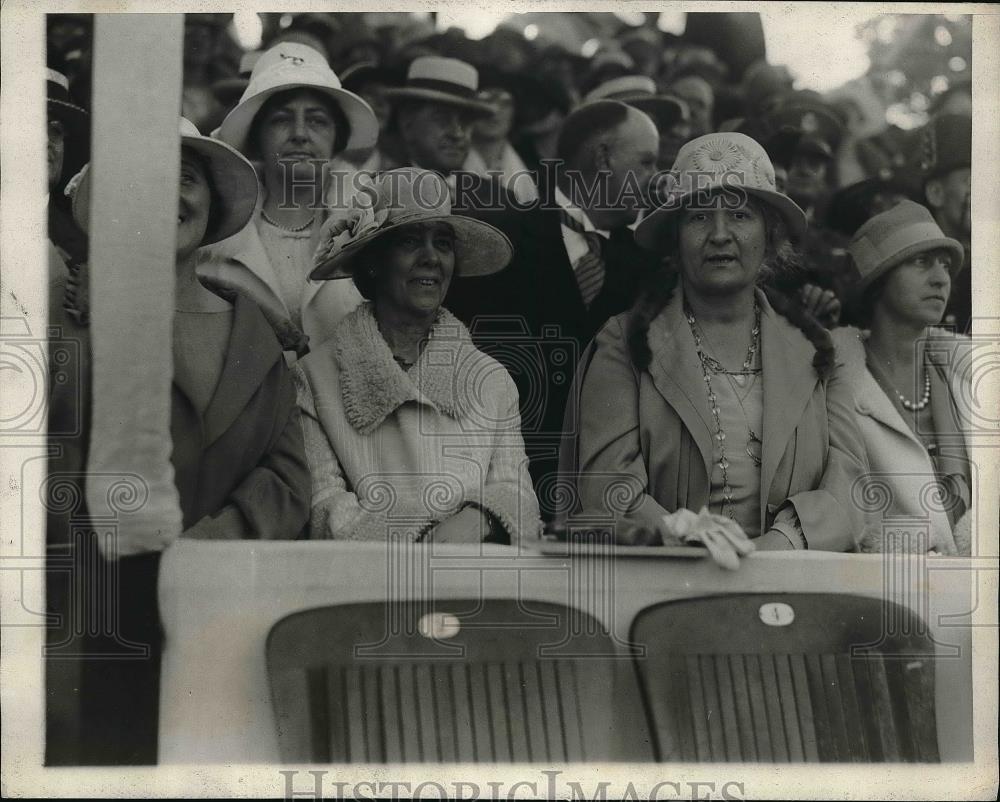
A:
(393, 452)
(643, 446)
(324, 303)
(901, 480)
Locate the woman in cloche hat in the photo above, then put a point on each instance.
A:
(400, 378)
(903, 372)
(237, 454)
(293, 118)
(710, 395)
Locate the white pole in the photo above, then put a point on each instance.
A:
(133, 225)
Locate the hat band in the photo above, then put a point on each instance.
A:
(56, 91)
(872, 255)
(442, 86)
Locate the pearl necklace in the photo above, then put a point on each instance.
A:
(293, 229)
(917, 406)
(708, 365)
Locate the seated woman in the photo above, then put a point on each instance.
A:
(292, 120)
(410, 431)
(708, 395)
(238, 458)
(902, 373)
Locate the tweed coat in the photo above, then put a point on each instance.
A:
(901, 472)
(394, 452)
(639, 442)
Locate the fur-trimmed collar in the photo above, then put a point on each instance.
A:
(373, 385)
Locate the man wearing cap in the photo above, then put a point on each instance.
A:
(944, 150)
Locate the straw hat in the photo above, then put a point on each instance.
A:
(640, 91)
(291, 65)
(890, 238)
(398, 198)
(721, 161)
(442, 80)
(232, 177)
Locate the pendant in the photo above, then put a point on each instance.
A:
(741, 379)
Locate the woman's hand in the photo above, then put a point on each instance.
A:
(723, 537)
(821, 304)
(469, 525)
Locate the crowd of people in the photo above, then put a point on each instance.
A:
(527, 292)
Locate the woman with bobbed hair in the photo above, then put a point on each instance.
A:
(902, 370)
(713, 394)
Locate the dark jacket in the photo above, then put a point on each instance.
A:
(530, 316)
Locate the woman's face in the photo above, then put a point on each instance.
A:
(194, 204)
(917, 290)
(721, 250)
(415, 269)
(296, 131)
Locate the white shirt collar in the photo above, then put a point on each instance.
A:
(577, 213)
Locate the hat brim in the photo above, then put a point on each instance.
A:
(232, 177)
(476, 107)
(235, 129)
(480, 249)
(954, 247)
(235, 182)
(649, 233)
(72, 115)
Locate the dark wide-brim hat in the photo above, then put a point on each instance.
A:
(892, 237)
(232, 176)
(403, 197)
(62, 107)
(442, 80)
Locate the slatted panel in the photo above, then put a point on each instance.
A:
(795, 708)
(439, 712)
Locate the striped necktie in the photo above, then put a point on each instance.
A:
(589, 268)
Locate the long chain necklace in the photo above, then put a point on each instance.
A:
(293, 229)
(708, 366)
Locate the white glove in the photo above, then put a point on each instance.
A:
(723, 537)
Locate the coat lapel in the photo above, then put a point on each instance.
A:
(677, 375)
(789, 380)
(249, 358)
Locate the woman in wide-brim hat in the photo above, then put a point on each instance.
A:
(67, 148)
(399, 397)
(294, 118)
(909, 394)
(236, 444)
(711, 393)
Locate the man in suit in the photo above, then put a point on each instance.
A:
(577, 265)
